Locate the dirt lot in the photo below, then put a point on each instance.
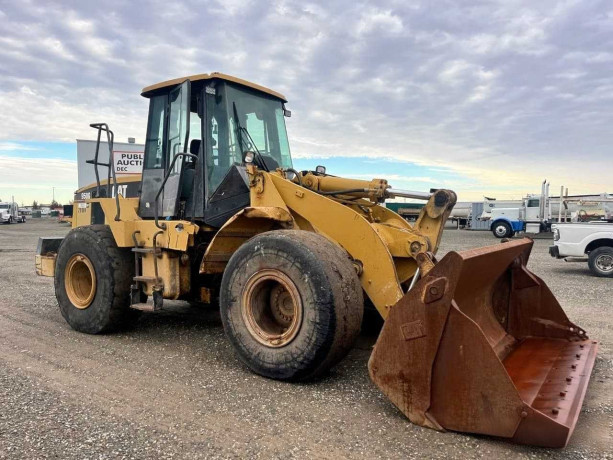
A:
(172, 386)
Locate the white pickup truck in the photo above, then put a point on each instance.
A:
(580, 242)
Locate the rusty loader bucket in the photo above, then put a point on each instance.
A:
(481, 345)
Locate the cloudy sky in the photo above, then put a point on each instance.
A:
(485, 97)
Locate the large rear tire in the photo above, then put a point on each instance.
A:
(291, 304)
(600, 261)
(92, 281)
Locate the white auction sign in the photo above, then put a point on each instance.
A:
(128, 162)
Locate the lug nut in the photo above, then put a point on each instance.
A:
(555, 411)
(562, 393)
(569, 379)
(433, 290)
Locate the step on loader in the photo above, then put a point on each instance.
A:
(474, 342)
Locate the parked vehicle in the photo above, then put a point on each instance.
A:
(591, 242)
(537, 212)
(9, 213)
(533, 215)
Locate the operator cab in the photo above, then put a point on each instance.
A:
(198, 132)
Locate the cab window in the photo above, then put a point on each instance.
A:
(154, 144)
(240, 120)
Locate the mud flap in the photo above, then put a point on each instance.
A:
(481, 345)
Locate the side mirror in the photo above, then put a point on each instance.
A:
(320, 170)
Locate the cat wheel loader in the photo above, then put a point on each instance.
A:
(473, 343)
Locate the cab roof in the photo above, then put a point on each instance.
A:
(151, 90)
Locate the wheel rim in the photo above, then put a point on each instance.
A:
(80, 281)
(604, 263)
(501, 230)
(272, 308)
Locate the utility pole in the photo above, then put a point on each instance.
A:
(53, 194)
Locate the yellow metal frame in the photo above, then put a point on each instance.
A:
(383, 245)
(242, 226)
(179, 234)
(122, 179)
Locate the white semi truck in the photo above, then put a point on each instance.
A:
(9, 213)
(536, 213)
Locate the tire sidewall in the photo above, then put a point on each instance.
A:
(316, 334)
(94, 318)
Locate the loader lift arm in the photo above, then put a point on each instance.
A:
(383, 246)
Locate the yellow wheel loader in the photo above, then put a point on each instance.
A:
(474, 342)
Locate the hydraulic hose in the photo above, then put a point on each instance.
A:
(297, 174)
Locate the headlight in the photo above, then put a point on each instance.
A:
(556, 234)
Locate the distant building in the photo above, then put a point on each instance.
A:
(127, 157)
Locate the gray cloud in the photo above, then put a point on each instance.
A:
(478, 86)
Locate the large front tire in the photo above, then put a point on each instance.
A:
(92, 281)
(502, 230)
(291, 304)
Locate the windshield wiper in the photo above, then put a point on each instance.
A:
(243, 131)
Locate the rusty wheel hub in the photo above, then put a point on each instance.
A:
(272, 308)
(282, 305)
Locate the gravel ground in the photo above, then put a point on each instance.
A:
(172, 387)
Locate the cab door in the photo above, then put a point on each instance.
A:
(533, 208)
(167, 138)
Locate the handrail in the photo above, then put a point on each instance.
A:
(110, 137)
(166, 176)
